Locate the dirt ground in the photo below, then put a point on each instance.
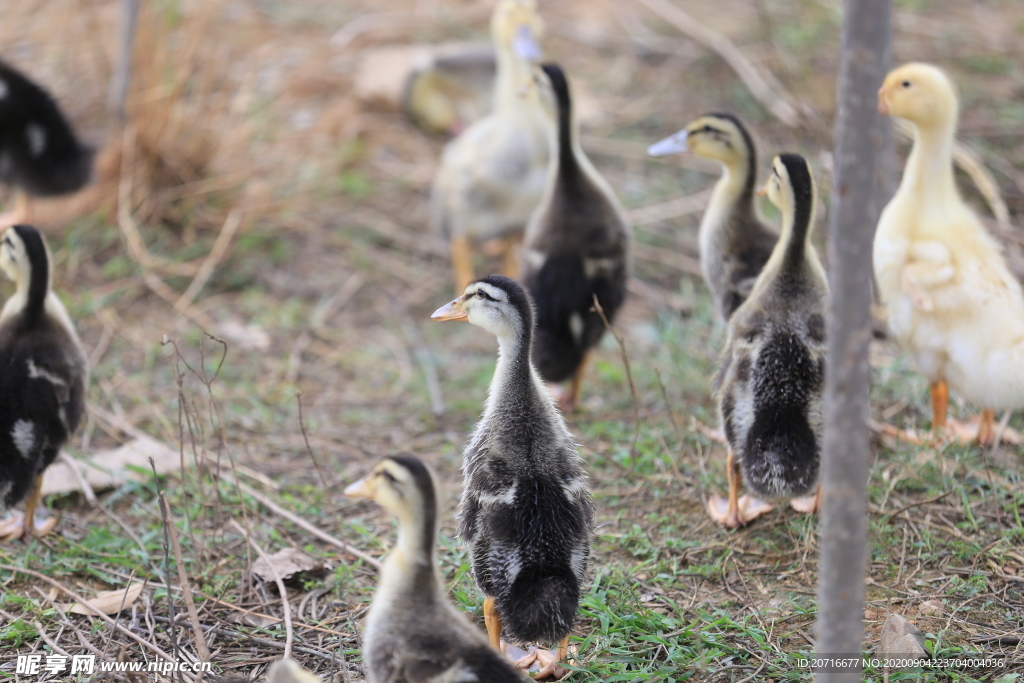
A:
(252, 277)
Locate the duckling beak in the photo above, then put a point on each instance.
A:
(359, 489)
(673, 144)
(525, 45)
(452, 310)
(763, 192)
(883, 104)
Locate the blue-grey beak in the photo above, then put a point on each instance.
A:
(673, 144)
(526, 45)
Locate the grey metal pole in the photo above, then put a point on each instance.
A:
(856, 204)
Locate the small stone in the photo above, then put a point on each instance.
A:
(901, 639)
(931, 608)
(870, 615)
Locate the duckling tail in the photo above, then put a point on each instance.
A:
(782, 463)
(540, 606)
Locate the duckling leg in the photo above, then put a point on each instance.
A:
(986, 428)
(25, 526)
(567, 402)
(738, 510)
(940, 399)
(808, 504)
(492, 621)
(462, 262)
(550, 660)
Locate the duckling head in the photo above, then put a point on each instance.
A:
(717, 136)
(496, 303)
(402, 485)
(791, 183)
(920, 93)
(517, 28)
(23, 252)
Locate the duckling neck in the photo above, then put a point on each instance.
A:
(796, 232)
(514, 75)
(734, 191)
(513, 371)
(410, 568)
(31, 293)
(929, 171)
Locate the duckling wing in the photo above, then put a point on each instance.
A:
(744, 268)
(440, 660)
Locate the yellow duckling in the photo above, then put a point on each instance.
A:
(492, 176)
(949, 297)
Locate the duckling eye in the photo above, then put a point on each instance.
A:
(905, 84)
(388, 476)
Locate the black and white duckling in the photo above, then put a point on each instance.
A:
(734, 242)
(42, 386)
(39, 153)
(413, 633)
(526, 509)
(492, 176)
(770, 385)
(577, 246)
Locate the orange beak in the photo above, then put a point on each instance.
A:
(763, 192)
(451, 311)
(883, 105)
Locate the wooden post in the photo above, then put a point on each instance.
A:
(856, 204)
(118, 96)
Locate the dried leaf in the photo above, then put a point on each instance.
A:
(112, 468)
(107, 602)
(288, 563)
(247, 619)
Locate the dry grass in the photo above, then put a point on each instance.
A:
(244, 109)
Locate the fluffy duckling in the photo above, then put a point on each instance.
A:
(492, 176)
(413, 633)
(949, 298)
(577, 246)
(42, 388)
(526, 509)
(734, 242)
(39, 153)
(770, 385)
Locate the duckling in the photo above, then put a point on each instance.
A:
(492, 176)
(289, 671)
(577, 246)
(450, 88)
(39, 153)
(949, 297)
(413, 633)
(526, 508)
(734, 242)
(42, 388)
(769, 387)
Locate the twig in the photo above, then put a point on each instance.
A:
(772, 96)
(220, 247)
(629, 376)
(79, 599)
(298, 521)
(673, 208)
(87, 491)
(289, 635)
(42, 634)
(421, 352)
(934, 499)
(186, 591)
(305, 438)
